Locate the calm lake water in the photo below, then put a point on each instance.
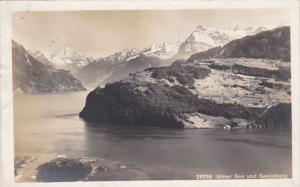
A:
(49, 124)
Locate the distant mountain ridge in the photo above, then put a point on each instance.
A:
(163, 50)
(120, 64)
(99, 71)
(32, 76)
(111, 67)
(66, 58)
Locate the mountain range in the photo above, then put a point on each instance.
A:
(119, 65)
(92, 71)
(66, 58)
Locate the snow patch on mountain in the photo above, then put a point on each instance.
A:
(69, 56)
(65, 56)
(164, 50)
(120, 56)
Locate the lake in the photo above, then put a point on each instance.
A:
(48, 124)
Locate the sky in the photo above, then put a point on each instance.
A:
(100, 33)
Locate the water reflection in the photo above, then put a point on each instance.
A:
(134, 132)
(254, 142)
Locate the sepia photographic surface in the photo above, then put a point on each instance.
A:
(152, 94)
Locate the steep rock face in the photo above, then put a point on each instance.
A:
(273, 44)
(32, 76)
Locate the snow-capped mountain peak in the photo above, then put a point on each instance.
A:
(163, 50)
(67, 52)
(63, 58)
(120, 56)
(68, 55)
(204, 38)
